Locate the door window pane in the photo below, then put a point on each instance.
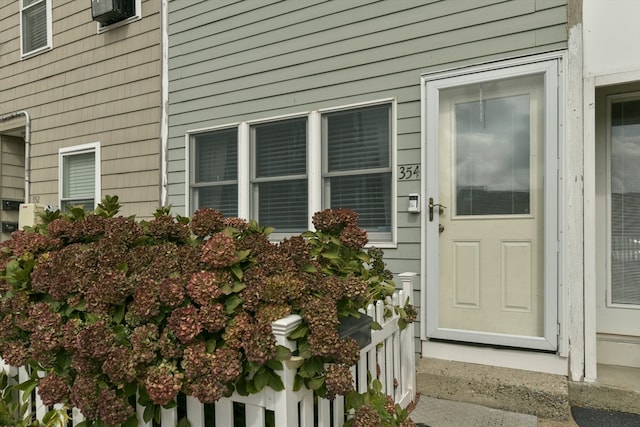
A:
(625, 202)
(492, 156)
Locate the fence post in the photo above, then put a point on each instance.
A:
(286, 401)
(408, 356)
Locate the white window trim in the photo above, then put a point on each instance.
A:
(49, 45)
(314, 167)
(101, 28)
(92, 147)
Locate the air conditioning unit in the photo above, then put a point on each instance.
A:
(108, 12)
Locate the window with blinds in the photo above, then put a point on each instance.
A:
(625, 202)
(216, 171)
(35, 16)
(78, 180)
(279, 178)
(357, 167)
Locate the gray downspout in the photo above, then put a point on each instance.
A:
(27, 148)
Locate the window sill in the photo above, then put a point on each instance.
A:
(35, 52)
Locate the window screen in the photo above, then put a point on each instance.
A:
(279, 181)
(216, 171)
(357, 173)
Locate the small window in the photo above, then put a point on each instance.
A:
(357, 166)
(79, 176)
(279, 179)
(215, 171)
(35, 24)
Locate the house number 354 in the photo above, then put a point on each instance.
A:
(409, 172)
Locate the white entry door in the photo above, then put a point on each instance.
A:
(488, 203)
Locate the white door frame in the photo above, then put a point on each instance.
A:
(551, 66)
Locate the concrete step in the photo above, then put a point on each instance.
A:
(543, 395)
(617, 389)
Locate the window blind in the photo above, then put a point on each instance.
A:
(358, 171)
(280, 180)
(625, 203)
(34, 25)
(79, 178)
(216, 171)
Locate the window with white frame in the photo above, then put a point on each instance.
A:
(79, 180)
(352, 169)
(35, 25)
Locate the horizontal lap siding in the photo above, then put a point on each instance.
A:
(235, 61)
(90, 87)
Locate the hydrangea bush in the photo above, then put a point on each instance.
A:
(103, 307)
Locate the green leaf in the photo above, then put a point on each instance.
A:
(118, 316)
(282, 353)
(275, 382)
(333, 255)
(309, 268)
(231, 304)
(354, 400)
(304, 350)
(261, 379)
(275, 365)
(238, 286)
(132, 421)
(375, 326)
(184, 422)
(237, 271)
(243, 254)
(298, 382)
(148, 413)
(300, 331)
(315, 383)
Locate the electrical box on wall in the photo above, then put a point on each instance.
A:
(108, 12)
(28, 216)
(414, 203)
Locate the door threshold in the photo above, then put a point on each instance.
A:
(535, 361)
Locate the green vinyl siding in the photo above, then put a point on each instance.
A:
(235, 61)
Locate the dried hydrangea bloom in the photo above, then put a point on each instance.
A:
(205, 286)
(206, 221)
(184, 323)
(113, 410)
(162, 383)
(16, 352)
(213, 317)
(206, 389)
(164, 227)
(366, 416)
(171, 292)
(144, 342)
(53, 389)
(339, 380)
(219, 251)
(354, 237)
(334, 220)
(120, 365)
(349, 352)
(239, 224)
(85, 396)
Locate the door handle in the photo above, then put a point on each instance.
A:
(433, 205)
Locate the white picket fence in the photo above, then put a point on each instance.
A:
(390, 358)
